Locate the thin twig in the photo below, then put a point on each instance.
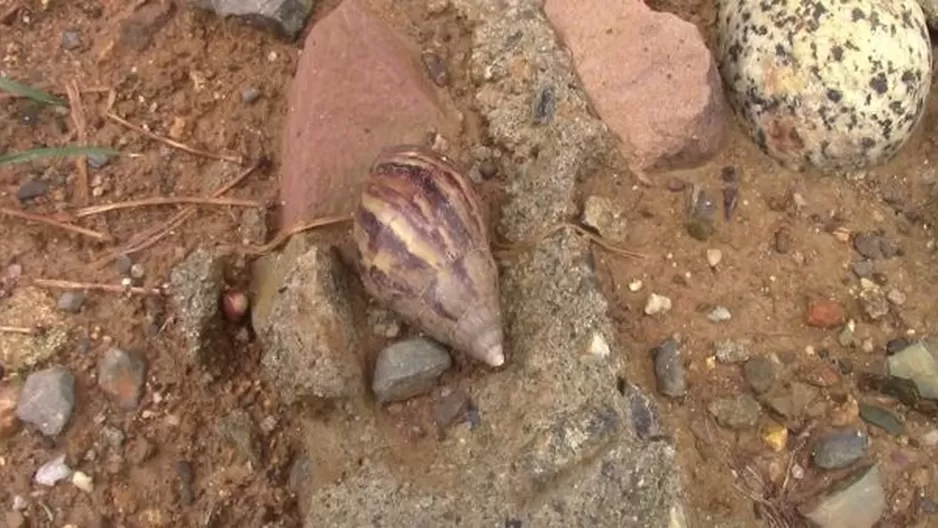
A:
(93, 286)
(55, 223)
(283, 236)
(26, 330)
(152, 236)
(508, 250)
(164, 200)
(78, 119)
(175, 144)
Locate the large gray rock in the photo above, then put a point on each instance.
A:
(284, 17)
(556, 444)
(304, 322)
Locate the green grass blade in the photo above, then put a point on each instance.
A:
(9, 85)
(54, 152)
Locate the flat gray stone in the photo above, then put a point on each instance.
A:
(917, 362)
(737, 412)
(840, 449)
(857, 501)
(71, 301)
(285, 17)
(47, 400)
(408, 368)
(669, 369)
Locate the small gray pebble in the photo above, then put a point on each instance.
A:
(669, 369)
(862, 268)
(408, 368)
(31, 190)
(113, 436)
(761, 373)
(71, 39)
(719, 314)
(124, 264)
(738, 412)
(868, 245)
(71, 301)
(728, 351)
(840, 449)
(250, 94)
(47, 400)
(97, 161)
(889, 249)
(137, 271)
(488, 169)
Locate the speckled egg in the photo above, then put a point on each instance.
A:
(837, 85)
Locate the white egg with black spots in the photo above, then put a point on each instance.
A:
(828, 84)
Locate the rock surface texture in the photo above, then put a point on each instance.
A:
(359, 87)
(841, 91)
(304, 322)
(286, 17)
(668, 108)
(550, 441)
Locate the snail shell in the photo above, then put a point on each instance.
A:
(424, 251)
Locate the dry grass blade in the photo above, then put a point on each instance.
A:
(81, 129)
(93, 286)
(509, 250)
(175, 144)
(164, 200)
(55, 223)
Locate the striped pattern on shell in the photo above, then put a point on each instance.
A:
(424, 251)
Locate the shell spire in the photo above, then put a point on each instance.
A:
(424, 251)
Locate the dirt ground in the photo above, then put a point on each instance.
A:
(181, 74)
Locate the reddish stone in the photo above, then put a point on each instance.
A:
(650, 77)
(359, 87)
(121, 376)
(825, 313)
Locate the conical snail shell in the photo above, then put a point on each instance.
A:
(424, 251)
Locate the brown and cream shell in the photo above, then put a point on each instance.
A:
(424, 251)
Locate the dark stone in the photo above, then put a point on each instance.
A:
(862, 268)
(840, 449)
(669, 369)
(31, 190)
(868, 245)
(881, 418)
